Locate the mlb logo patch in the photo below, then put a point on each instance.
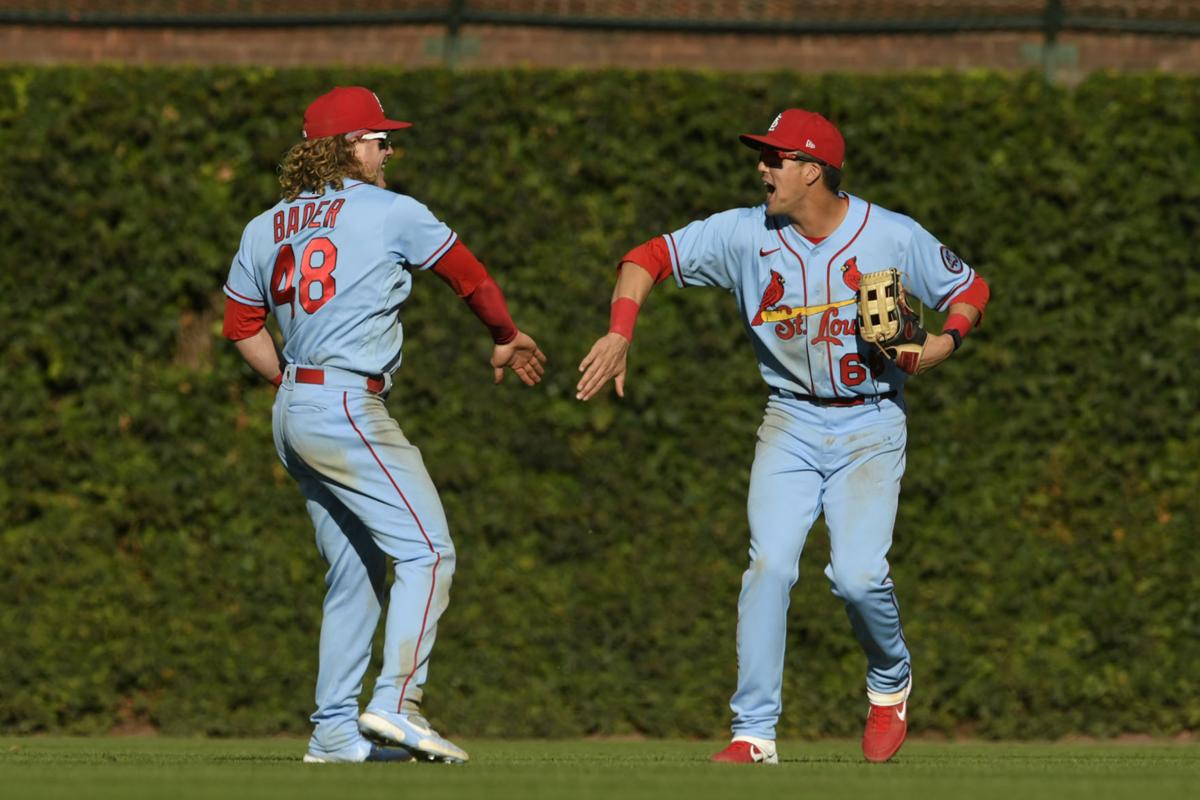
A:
(953, 263)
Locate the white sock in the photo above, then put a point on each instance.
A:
(766, 745)
(892, 699)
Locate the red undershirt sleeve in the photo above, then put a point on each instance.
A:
(975, 295)
(651, 256)
(242, 321)
(460, 269)
(470, 280)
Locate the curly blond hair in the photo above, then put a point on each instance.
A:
(312, 164)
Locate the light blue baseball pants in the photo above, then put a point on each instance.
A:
(846, 462)
(370, 499)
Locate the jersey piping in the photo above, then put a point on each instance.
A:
(829, 297)
(950, 295)
(438, 253)
(804, 280)
(676, 267)
(243, 299)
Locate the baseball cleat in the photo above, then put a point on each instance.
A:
(886, 728)
(412, 732)
(358, 753)
(747, 750)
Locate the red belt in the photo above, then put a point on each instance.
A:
(317, 376)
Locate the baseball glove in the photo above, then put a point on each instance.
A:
(885, 320)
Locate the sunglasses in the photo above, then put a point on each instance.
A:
(379, 136)
(775, 158)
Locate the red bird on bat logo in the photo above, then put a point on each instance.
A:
(851, 275)
(772, 295)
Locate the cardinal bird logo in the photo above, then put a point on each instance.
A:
(772, 295)
(851, 275)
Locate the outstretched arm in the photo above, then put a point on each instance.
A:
(470, 280)
(607, 359)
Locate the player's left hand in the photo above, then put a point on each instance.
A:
(522, 356)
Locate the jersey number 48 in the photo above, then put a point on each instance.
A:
(321, 273)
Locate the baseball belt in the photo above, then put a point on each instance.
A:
(328, 376)
(835, 402)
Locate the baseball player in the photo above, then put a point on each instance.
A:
(333, 261)
(833, 435)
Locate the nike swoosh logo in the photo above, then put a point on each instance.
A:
(902, 712)
(762, 251)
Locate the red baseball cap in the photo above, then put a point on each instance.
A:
(346, 109)
(797, 130)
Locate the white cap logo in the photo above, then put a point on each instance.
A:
(810, 144)
(775, 124)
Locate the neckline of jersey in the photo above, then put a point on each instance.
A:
(347, 184)
(852, 205)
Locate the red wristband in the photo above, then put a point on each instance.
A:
(623, 317)
(277, 380)
(957, 322)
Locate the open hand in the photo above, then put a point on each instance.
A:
(522, 356)
(606, 361)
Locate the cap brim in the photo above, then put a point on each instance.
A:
(759, 142)
(391, 125)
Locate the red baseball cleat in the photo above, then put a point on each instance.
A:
(886, 728)
(741, 751)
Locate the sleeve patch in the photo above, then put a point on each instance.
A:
(953, 263)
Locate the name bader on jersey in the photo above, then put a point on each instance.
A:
(302, 217)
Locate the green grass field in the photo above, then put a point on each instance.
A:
(182, 769)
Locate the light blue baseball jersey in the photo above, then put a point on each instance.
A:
(798, 299)
(335, 269)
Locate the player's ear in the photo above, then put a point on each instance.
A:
(814, 172)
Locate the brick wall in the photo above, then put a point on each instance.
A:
(752, 10)
(395, 44)
(483, 46)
